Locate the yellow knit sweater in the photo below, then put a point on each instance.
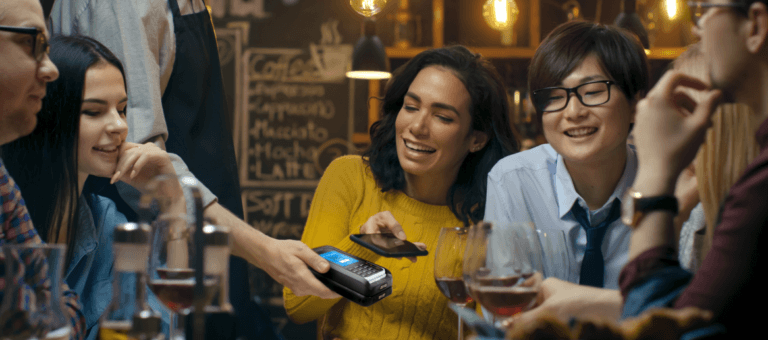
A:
(344, 200)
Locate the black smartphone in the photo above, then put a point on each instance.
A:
(358, 280)
(387, 245)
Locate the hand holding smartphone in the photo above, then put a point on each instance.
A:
(388, 245)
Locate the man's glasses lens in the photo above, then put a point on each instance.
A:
(698, 9)
(41, 46)
(556, 98)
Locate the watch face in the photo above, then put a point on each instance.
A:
(628, 209)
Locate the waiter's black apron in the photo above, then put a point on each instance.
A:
(194, 108)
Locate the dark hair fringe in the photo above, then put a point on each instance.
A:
(620, 53)
(490, 114)
(44, 163)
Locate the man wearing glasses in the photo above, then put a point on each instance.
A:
(734, 35)
(25, 69)
(585, 80)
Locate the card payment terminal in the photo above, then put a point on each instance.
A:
(358, 280)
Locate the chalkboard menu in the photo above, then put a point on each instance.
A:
(283, 64)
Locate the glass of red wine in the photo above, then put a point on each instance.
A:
(505, 267)
(170, 270)
(449, 258)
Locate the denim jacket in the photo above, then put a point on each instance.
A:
(90, 271)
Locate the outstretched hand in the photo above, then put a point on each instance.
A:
(287, 262)
(563, 299)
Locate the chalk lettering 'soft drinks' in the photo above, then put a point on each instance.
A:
(453, 289)
(179, 295)
(505, 301)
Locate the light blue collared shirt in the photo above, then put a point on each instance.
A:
(534, 185)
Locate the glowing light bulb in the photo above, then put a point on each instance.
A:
(500, 14)
(367, 8)
(671, 6)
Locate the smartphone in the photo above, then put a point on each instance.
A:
(356, 279)
(387, 245)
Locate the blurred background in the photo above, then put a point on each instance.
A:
(293, 107)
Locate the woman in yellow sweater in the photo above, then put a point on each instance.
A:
(444, 126)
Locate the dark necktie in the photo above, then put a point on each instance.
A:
(593, 265)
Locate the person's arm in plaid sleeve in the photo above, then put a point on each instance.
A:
(17, 229)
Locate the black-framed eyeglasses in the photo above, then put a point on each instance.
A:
(552, 99)
(40, 47)
(698, 9)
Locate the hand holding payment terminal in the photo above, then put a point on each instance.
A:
(358, 280)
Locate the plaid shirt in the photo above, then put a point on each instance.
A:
(17, 229)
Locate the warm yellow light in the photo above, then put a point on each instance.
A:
(369, 75)
(367, 7)
(671, 6)
(500, 10)
(500, 14)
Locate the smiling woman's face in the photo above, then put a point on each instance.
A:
(582, 134)
(433, 126)
(103, 127)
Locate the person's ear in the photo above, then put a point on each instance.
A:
(757, 26)
(479, 139)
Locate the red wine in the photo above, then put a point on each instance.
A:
(175, 273)
(505, 301)
(504, 281)
(178, 295)
(454, 289)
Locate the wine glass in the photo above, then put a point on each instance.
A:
(171, 272)
(506, 268)
(556, 254)
(32, 304)
(449, 258)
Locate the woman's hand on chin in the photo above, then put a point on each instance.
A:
(138, 164)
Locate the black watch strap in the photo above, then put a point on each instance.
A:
(647, 204)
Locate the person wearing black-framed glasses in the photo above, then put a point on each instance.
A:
(734, 44)
(585, 79)
(39, 43)
(699, 8)
(25, 69)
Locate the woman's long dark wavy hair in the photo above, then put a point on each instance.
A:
(489, 111)
(44, 163)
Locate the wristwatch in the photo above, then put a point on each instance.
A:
(634, 206)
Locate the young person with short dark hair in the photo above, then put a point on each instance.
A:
(444, 125)
(585, 79)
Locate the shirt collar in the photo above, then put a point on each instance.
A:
(567, 196)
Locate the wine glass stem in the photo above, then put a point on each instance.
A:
(461, 324)
(461, 330)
